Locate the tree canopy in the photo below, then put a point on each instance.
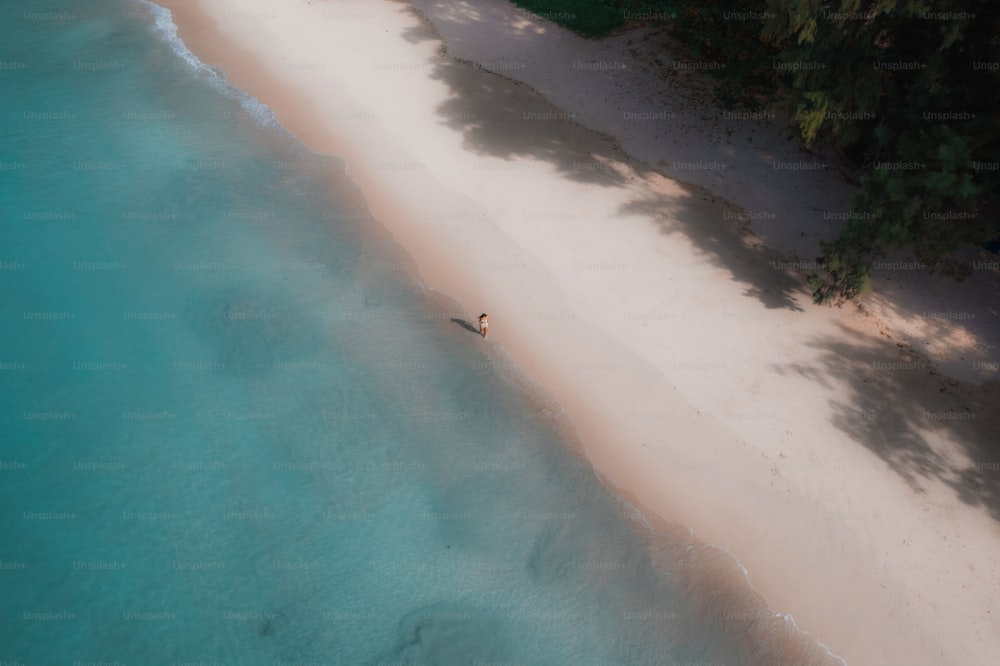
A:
(907, 90)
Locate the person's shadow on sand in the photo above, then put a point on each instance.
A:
(466, 325)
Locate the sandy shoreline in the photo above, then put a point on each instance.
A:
(703, 382)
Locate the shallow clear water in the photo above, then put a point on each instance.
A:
(235, 431)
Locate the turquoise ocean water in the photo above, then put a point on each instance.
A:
(235, 430)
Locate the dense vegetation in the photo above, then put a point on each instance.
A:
(908, 90)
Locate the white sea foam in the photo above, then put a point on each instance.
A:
(632, 509)
(164, 26)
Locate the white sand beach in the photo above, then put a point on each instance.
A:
(856, 483)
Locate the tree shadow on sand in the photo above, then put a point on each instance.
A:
(969, 327)
(925, 427)
(420, 32)
(730, 246)
(504, 119)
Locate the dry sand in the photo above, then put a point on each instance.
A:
(855, 483)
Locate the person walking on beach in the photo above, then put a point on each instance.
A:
(484, 323)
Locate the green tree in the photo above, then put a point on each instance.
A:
(905, 89)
